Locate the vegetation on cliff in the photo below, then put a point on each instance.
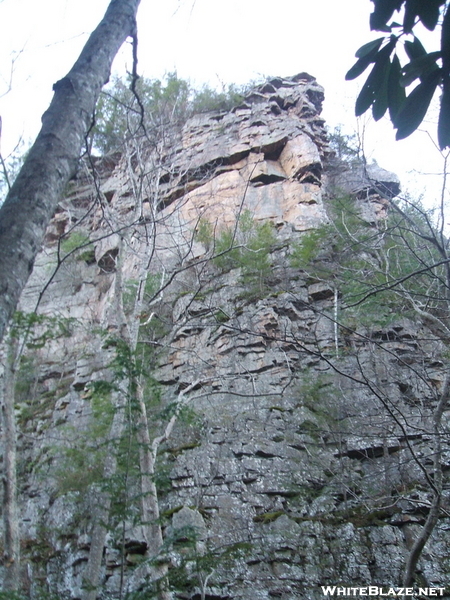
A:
(240, 377)
(144, 109)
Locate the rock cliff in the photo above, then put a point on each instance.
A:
(277, 470)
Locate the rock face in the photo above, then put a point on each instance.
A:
(281, 474)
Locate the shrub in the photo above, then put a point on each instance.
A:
(76, 240)
(120, 114)
(246, 245)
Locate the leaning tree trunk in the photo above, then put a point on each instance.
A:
(11, 534)
(53, 159)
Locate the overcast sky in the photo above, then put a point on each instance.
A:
(207, 41)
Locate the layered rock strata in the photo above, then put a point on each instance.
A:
(280, 465)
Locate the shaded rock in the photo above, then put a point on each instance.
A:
(287, 460)
(364, 180)
(187, 519)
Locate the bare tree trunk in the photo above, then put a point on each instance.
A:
(433, 515)
(53, 159)
(11, 554)
(149, 494)
(336, 324)
(149, 501)
(91, 575)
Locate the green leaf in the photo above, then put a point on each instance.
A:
(361, 65)
(366, 96)
(375, 79)
(428, 12)
(383, 11)
(416, 106)
(414, 49)
(445, 42)
(410, 15)
(380, 104)
(419, 67)
(369, 47)
(396, 92)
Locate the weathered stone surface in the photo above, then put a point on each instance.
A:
(288, 472)
(299, 156)
(186, 518)
(363, 180)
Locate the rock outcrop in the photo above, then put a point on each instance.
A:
(281, 474)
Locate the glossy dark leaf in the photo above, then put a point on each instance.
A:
(369, 90)
(416, 105)
(414, 49)
(383, 11)
(375, 79)
(361, 65)
(428, 12)
(365, 98)
(369, 47)
(396, 92)
(419, 67)
(445, 42)
(444, 119)
(380, 104)
(410, 15)
(384, 88)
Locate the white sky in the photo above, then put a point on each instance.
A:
(214, 42)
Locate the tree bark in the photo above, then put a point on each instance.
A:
(435, 509)
(150, 515)
(11, 554)
(53, 159)
(92, 572)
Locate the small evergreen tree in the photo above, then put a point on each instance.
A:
(398, 267)
(153, 106)
(246, 245)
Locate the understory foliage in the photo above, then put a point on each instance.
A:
(81, 463)
(402, 259)
(346, 148)
(111, 462)
(387, 273)
(36, 330)
(123, 113)
(195, 562)
(381, 271)
(246, 245)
